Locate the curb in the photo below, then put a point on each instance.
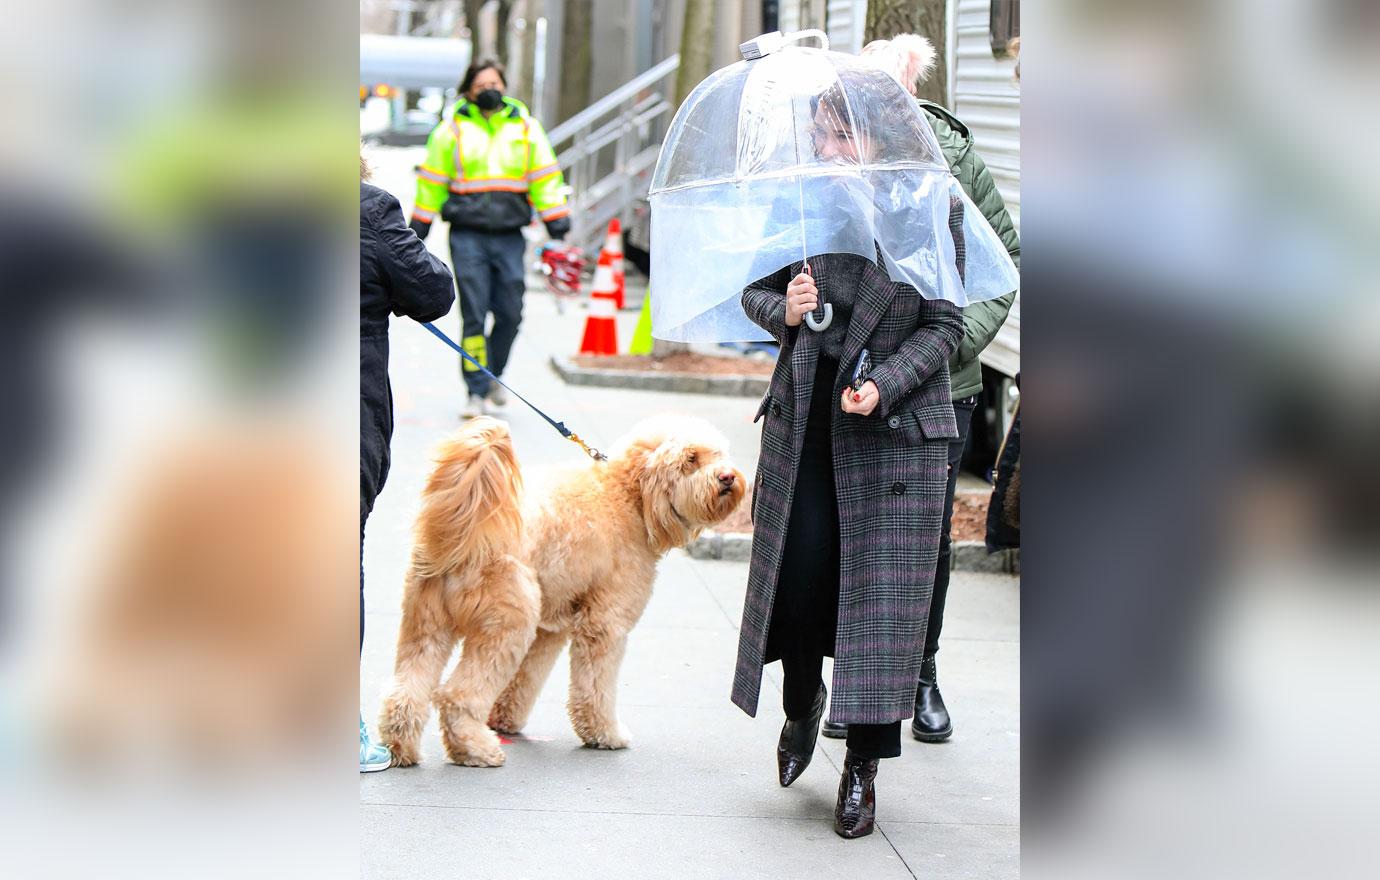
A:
(973, 556)
(687, 383)
(967, 555)
(735, 546)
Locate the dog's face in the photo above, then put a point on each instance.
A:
(685, 476)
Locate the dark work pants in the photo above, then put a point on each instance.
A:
(489, 275)
(963, 414)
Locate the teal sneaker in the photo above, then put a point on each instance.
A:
(372, 756)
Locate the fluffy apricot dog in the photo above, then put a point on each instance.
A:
(516, 584)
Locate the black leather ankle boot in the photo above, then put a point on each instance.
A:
(834, 731)
(931, 722)
(855, 814)
(797, 744)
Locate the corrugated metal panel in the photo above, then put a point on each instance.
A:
(984, 94)
(797, 15)
(788, 16)
(846, 20)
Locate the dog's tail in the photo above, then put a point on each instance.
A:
(471, 507)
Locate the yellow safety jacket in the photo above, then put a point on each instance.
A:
(490, 174)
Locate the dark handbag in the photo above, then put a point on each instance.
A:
(1004, 508)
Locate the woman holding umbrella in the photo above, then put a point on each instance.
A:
(851, 477)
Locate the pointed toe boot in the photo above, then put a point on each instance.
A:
(797, 744)
(855, 814)
(931, 722)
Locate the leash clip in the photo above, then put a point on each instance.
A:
(589, 450)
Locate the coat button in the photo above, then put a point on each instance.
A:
(895, 422)
(898, 488)
(775, 408)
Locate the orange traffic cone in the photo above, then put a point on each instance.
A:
(601, 331)
(613, 246)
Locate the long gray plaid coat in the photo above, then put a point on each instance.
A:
(890, 470)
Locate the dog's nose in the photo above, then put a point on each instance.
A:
(726, 478)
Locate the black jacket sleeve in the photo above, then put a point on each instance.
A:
(420, 286)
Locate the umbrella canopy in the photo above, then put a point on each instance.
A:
(802, 152)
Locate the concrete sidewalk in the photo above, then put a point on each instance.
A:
(696, 795)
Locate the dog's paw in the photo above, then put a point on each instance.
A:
(501, 719)
(619, 738)
(472, 746)
(484, 758)
(404, 752)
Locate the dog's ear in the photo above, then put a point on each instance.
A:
(689, 458)
(658, 471)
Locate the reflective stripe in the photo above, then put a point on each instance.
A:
(542, 173)
(431, 174)
(423, 214)
(600, 306)
(555, 213)
(459, 159)
(474, 347)
(527, 139)
(499, 179)
(489, 184)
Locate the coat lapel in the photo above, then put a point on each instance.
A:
(875, 293)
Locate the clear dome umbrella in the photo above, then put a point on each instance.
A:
(796, 152)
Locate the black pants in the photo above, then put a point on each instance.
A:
(489, 275)
(365, 506)
(805, 612)
(801, 681)
(963, 414)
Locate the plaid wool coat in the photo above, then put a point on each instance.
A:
(890, 471)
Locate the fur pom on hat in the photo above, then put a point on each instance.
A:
(907, 57)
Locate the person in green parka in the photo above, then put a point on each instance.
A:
(909, 58)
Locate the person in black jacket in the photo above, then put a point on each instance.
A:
(397, 275)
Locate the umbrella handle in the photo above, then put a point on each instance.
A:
(762, 46)
(810, 33)
(820, 326)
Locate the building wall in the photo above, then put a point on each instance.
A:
(984, 94)
(799, 15)
(631, 36)
(846, 20)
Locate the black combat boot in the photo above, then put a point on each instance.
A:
(931, 723)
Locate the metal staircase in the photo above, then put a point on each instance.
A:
(608, 150)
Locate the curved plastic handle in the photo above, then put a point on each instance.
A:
(797, 36)
(764, 45)
(820, 326)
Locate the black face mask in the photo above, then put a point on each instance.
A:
(489, 99)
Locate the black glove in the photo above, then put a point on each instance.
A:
(420, 227)
(558, 228)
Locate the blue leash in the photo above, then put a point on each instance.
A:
(559, 426)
